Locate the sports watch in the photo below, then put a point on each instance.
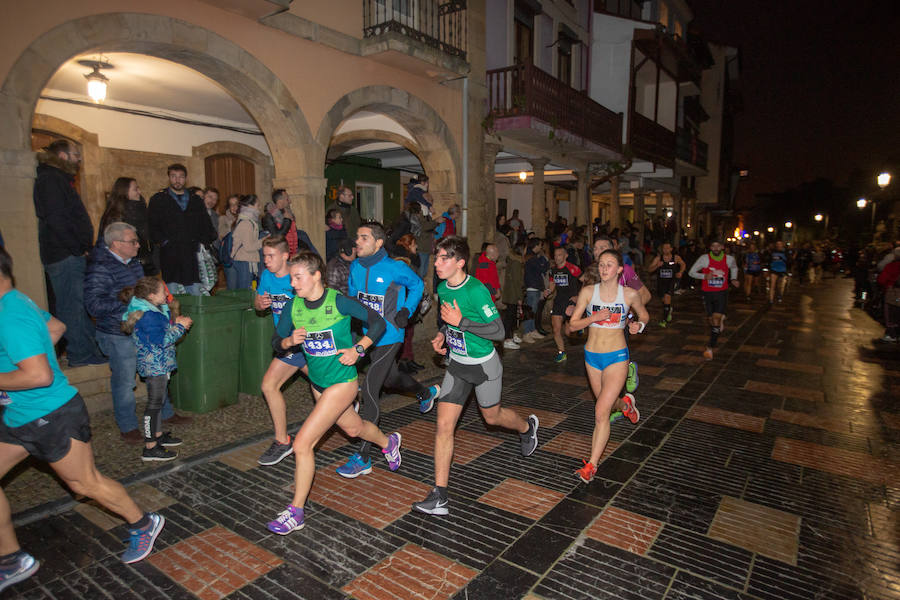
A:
(360, 349)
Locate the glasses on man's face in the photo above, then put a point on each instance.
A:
(132, 242)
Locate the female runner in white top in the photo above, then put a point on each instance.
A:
(603, 308)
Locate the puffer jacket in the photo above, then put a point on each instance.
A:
(105, 277)
(155, 336)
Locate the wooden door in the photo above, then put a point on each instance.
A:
(231, 174)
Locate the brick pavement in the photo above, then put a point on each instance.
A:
(768, 473)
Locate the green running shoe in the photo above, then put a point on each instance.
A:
(631, 382)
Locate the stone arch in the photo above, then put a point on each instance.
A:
(437, 149)
(261, 93)
(343, 142)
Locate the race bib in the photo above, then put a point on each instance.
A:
(373, 301)
(278, 303)
(561, 279)
(457, 341)
(320, 343)
(615, 315)
(5, 400)
(665, 273)
(717, 282)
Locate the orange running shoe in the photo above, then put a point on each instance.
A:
(586, 473)
(707, 354)
(630, 410)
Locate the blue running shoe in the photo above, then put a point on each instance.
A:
(355, 467)
(21, 569)
(560, 356)
(392, 452)
(426, 398)
(631, 382)
(142, 539)
(288, 520)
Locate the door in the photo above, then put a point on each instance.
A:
(230, 174)
(369, 201)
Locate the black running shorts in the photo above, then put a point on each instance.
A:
(716, 302)
(48, 438)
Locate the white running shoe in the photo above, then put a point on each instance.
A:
(511, 345)
(516, 339)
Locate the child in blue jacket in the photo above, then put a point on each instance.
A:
(150, 325)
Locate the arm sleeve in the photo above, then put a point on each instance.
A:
(372, 320)
(285, 326)
(697, 269)
(413, 284)
(732, 266)
(492, 330)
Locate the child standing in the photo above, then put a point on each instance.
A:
(150, 325)
(335, 233)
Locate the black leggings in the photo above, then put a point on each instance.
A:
(509, 320)
(382, 372)
(156, 395)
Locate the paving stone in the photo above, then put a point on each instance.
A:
(726, 418)
(522, 498)
(625, 530)
(757, 528)
(467, 446)
(785, 390)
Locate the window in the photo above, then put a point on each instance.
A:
(564, 61)
(523, 53)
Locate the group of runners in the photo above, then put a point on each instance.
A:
(46, 418)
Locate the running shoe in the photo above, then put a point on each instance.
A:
(537, 335)
(516, 339)
(426, 398)
(613, 417)
(288, 520)
(630, 411)
(168, 440)
(631, 382)
(432, 504)
(529, 439)
(276, 453)
(392, 452)
(669, 317)
(587, 472)
(708, 354)
(21, 569)
(141, 543)
(511, 345)
(663, 323)
(528, 338)
(355, 467)
(560, 356)
(158, 453)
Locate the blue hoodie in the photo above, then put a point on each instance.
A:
(155, 337)
(386, 286)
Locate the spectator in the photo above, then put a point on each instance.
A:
(511, 295)
(536, 267)
(344, 203)
(232, 208)
(112, 268)
(486, 270)
(337, 271)
(126, 204)
(418, 193)
(65, 235)
(211, 202)
(178, 225)
(335, 233)
(406, 250)
(422, 226)
(246, 245)
(278, 219)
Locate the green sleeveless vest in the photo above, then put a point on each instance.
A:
(327, 331)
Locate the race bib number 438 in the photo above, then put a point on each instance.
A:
(320, 343)
(373, 301)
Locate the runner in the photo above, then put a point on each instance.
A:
(46, 418)
(713, 269)
(779, 267)
(393, 290)
(603, 305)
(752, 269)
(671, 268)
(565, 281)
(273, 293)
(318, 319)
(472, 322)
(630, 279)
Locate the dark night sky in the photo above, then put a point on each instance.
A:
(820, 83)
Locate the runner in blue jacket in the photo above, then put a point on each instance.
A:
(393, 290)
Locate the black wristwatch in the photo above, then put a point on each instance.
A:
(360, 349)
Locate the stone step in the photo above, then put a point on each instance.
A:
(76, 375)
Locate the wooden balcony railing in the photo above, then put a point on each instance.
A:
(690, 148)
(527, 90)
(439, 24)
(651, 141)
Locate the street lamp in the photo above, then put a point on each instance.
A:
(788, 224)
(861, 203)
(884, 179)
(771, 229)
(818, 218)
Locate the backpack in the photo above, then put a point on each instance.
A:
(889, 275)
(225, 246)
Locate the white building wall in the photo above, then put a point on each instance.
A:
(711, 97)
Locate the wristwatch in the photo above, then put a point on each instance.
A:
(360, 349)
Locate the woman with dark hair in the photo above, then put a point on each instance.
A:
(125, 203)
(246, 244)
(407, 250)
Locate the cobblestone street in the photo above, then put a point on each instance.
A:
(770, 473)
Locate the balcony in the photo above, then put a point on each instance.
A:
(691, 150)
(651, 141)
(532, 106)
(670, 52)
(427, 37)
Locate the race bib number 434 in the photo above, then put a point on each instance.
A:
(320, 343)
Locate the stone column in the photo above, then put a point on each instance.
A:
(538, 197)
(17, 171)
(614, 202)
(583, 198)
(308, 203)
(483, 222)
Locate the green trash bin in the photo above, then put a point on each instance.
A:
(209, 355)
(256, 342)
